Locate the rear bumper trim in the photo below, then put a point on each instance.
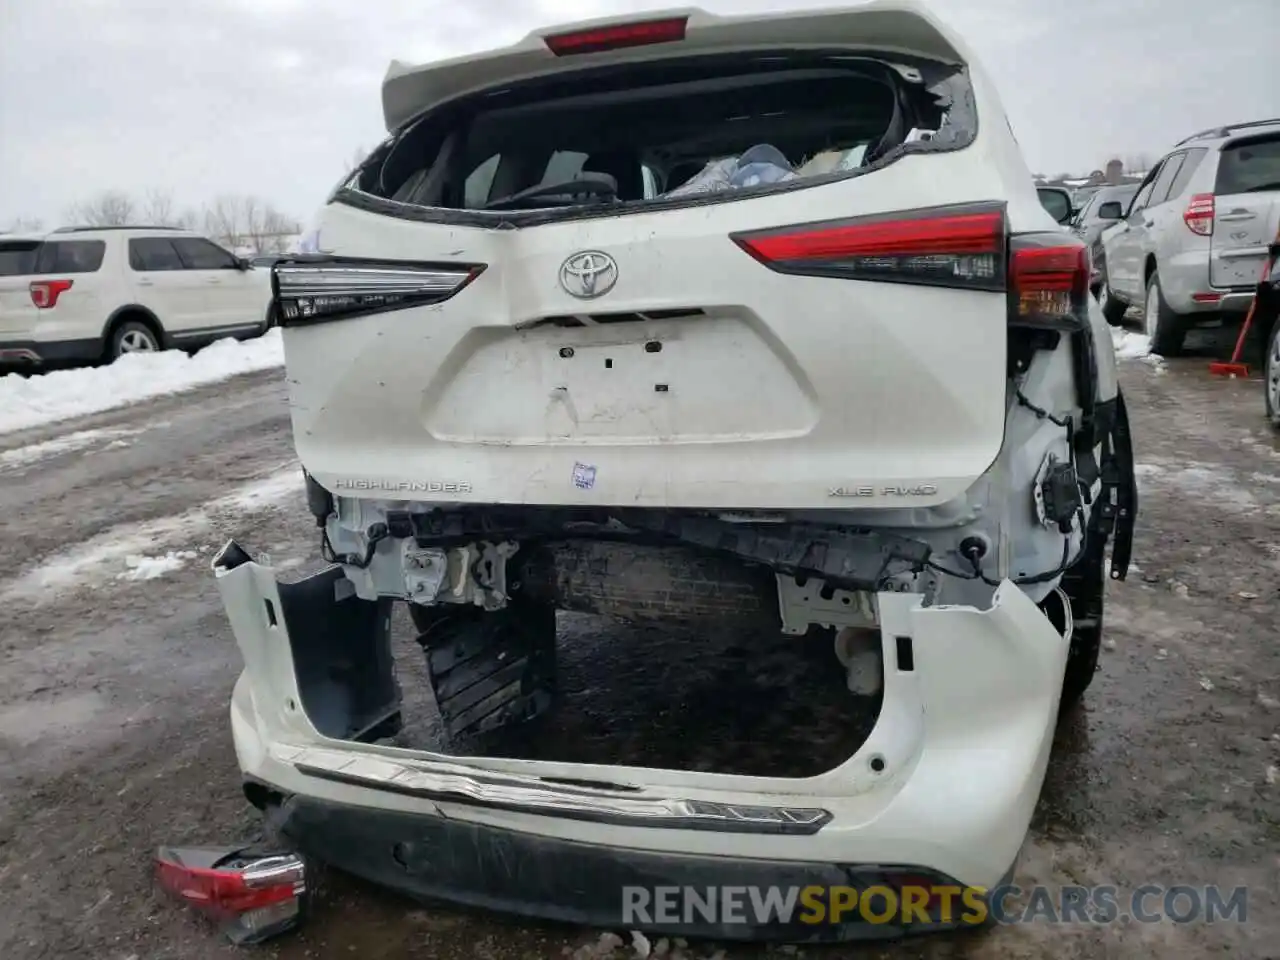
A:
(13, 353)
(1236, 300)
(48, 351)
(569, 802)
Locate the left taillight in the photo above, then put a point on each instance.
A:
(252, 897)
(45, 293)
(960, 246)
(314, 290)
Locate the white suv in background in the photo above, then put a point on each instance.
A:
(1190, 247)
(84, 294)
(693, 316)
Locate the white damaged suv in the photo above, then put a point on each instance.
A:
(676, 318)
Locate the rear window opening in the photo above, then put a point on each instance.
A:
(71, 256)
(1249, 166)
(21, 258)
(18, 257)
(668, 132)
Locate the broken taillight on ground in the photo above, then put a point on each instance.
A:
(251, 896)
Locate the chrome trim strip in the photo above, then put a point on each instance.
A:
(547, 798)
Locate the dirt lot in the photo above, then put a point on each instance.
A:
(113, 692)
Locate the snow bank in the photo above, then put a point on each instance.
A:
(1135, 346)
(1130, 345)
(37, 400)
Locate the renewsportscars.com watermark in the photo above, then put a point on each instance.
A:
(932, 904)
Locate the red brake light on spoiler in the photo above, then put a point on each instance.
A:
(618, 36)
(955, 246)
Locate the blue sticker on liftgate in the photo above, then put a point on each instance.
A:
(584, 476)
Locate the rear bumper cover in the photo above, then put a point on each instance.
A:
(493, 868)
(945, 785)
(49, 351)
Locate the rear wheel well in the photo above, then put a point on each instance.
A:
(1148, 269)
(137, 314)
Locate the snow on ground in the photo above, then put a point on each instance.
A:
(1135, 346)
(47, 398)
(138, 546)
(262, 493)
(151, 568)
(1203, 482)
(21, 457)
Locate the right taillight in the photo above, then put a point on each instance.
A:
(957, 246)
(1048, 279)
(1199, 214)
(1045, 274)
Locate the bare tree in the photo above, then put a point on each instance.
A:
(23, 225)
(248, 221)
(188, 219)
(234, 220)
(278, 230)
(223, 222)
(111, 208)
(157, 208)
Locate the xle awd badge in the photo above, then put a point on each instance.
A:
(921, 490)
(588, 275)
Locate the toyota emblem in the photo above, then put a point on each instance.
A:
(588, 275)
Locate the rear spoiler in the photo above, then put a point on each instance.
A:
(883, 26)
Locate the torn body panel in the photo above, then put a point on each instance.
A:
(946, 781)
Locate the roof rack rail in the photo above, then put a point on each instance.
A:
(1225, 131)
(126, 226)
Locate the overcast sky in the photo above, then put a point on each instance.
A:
(272, 96)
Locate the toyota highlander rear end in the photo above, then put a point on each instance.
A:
(692, 317)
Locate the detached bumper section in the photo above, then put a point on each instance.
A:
(943, 788)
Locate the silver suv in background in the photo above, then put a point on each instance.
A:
(1190, 247)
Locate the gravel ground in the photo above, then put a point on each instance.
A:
(114, 689)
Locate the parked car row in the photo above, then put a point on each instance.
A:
(1188, 246)
(86, 294)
